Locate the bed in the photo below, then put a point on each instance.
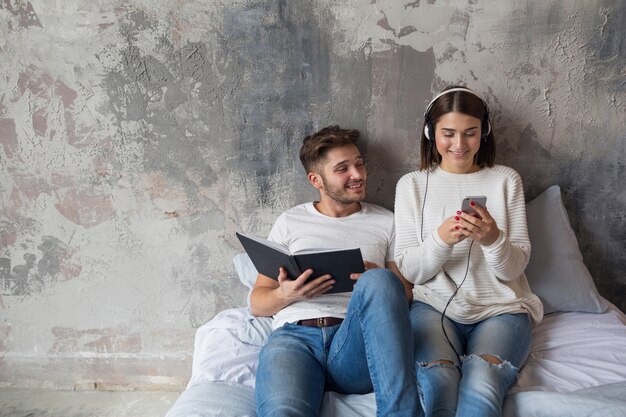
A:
(577, 364)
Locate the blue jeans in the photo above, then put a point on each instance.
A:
(370, 349)
(473, 387)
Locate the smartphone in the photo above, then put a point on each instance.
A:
(481, 200)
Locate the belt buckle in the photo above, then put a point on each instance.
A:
(320, 322)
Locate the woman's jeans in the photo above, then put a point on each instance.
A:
(370, 349)
(472, 387)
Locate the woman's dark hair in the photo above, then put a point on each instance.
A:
(315, 147)
(462, 102)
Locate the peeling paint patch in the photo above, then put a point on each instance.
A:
(8, 137)
(55, 259)
(23, 11)
(5, 275)
(84, 207)
(56, 264)
(44, 90)
(67, 95)
(40, 122)
(404, 31)
(21, 281)
(38, 82)
(135, 21)
(30, 186)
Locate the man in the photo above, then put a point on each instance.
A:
(350, 343)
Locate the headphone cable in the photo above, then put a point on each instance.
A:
(424, 205)
(443, 313)
(457, 287)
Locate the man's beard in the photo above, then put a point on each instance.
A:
(339, 194)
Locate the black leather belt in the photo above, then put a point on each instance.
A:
(321, 322)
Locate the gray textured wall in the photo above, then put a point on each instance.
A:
(137, 136)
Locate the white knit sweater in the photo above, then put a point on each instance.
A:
(495, 282)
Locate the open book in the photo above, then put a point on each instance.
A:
(268, 257)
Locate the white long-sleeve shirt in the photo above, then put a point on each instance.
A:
(495, 282)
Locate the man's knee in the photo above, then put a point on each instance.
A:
(379, 280)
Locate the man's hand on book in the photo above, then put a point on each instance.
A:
(368, 265)
(299, 289)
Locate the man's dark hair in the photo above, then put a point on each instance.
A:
(315, 147)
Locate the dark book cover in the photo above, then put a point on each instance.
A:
(269, 256)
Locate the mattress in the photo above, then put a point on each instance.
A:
(577, 365)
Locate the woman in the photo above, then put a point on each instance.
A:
(472, 308)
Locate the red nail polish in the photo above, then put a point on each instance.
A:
(457, 218)
(472, 203)
(456, 227)
(458, 212)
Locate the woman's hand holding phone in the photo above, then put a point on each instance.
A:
(477, 225)
(468, 207)
(450, 232)
(472, 221)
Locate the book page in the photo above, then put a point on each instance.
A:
(273, 245)
(320, 250)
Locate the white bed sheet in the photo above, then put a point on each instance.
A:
(570, 351)
(599, 401)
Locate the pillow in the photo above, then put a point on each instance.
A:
(556, 272)
(257, 329)
(245, 269)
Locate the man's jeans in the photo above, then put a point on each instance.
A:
(473, 387)
(371, 349)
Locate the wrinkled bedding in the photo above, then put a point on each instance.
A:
(577, 367)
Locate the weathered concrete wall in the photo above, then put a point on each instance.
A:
(136, 137)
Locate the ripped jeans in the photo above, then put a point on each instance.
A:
(473, 387)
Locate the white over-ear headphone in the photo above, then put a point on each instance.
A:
(429, 127)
